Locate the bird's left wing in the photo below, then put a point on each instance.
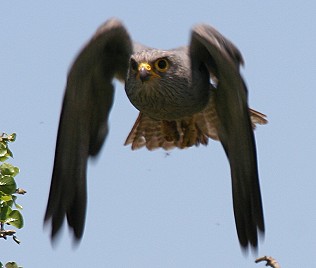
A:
(83, 122)
(212, 52)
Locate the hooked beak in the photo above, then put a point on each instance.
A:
(146, 72)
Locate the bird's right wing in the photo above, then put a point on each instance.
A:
(83, 122)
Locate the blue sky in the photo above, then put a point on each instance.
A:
(152, 209)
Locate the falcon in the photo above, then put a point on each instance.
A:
(184, 96)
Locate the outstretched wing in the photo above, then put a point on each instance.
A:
(83, 122)
(211, 51)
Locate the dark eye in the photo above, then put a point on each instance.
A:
(134, 65)
(162, 65)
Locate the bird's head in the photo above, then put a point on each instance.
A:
(159, 83)
(150, 65)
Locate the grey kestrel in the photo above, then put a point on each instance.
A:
(184, 96)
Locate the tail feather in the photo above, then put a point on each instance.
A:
(181, 133)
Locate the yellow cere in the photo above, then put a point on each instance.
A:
(144, 65)
(149, 69)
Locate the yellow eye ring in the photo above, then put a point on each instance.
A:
(162, 65)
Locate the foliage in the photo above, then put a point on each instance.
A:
(9, 265)
(10, 214)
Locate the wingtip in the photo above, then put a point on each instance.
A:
(251, 243)
(110, 23)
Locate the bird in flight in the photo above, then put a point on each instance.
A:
(184, 96)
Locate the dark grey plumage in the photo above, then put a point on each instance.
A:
(185, 96)
(175, 94)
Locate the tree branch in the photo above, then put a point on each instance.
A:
(270, 261)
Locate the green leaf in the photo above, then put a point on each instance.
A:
(8, 169)
(15, 219)
(3, 149)
(6, 198)
(1, 265)
(11, 265)
(10, 203)
(12, 137)
(14, 198)
(7, 184)
(18, 206)
(9, 153)
(4, 211)
(4, 158)
(16, 171)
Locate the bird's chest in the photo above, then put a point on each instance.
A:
(170, 100)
